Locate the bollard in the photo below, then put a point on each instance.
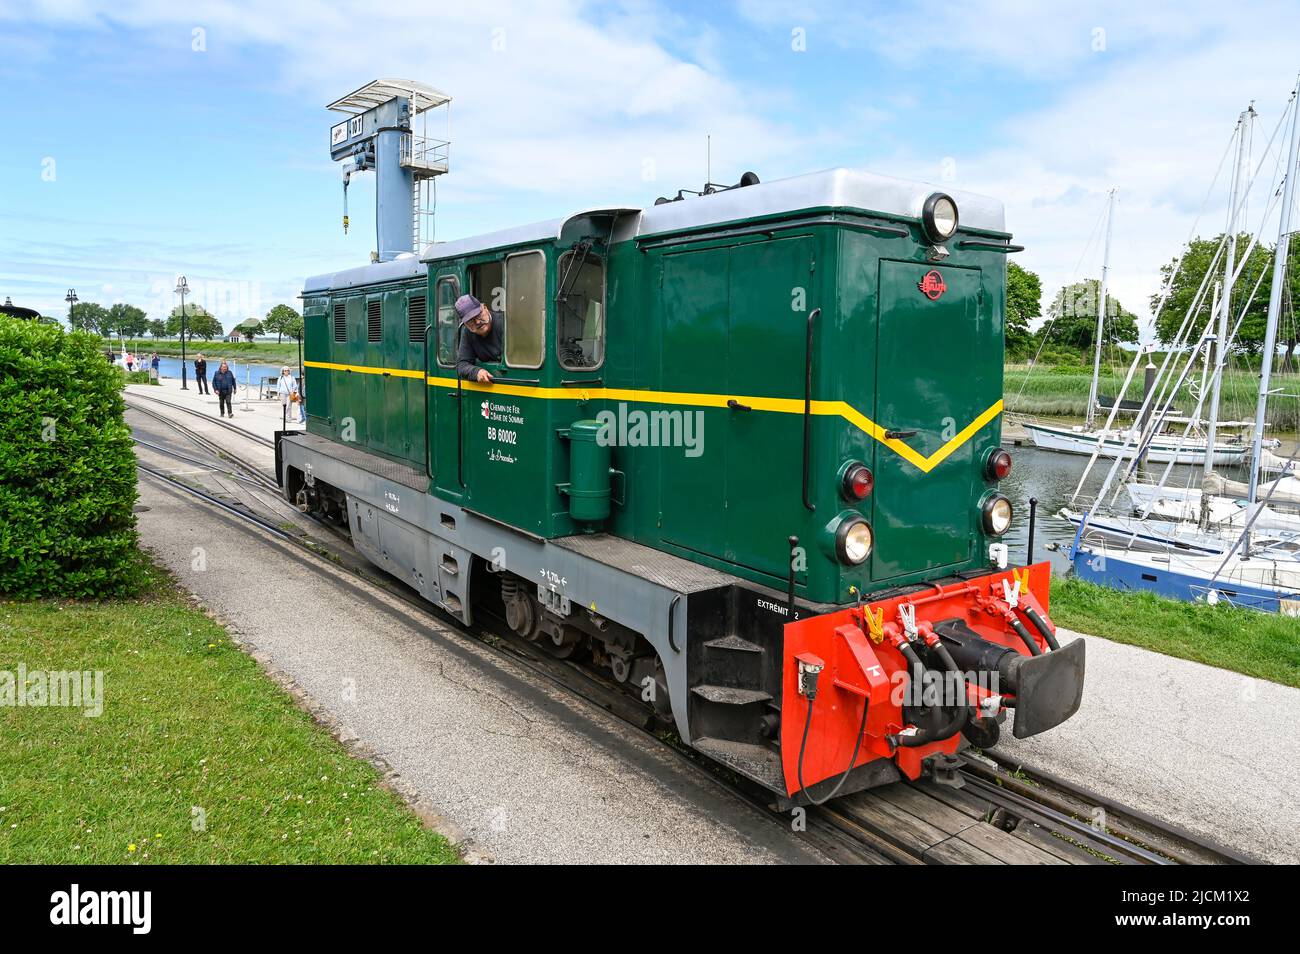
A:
(1033, 510)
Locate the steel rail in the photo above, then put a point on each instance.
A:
(234, 428)
(1132, 824)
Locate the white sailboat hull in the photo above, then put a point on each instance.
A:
(1115, 443)
(1185, 536)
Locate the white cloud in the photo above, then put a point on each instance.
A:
(1151, 116)
(565, 104)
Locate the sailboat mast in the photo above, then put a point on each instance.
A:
(1101, 316)
(1225, 303)
(1275, 293)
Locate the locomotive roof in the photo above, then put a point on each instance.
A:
(831, 189)
(404, 266)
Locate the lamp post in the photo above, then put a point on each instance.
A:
(71, 299)
(182, 286)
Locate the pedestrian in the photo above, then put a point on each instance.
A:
(290, 396)
(223, 382)
(153, 365)
(130, 362)
(201, 373)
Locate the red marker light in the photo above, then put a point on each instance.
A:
(858, 481)
(999, 464)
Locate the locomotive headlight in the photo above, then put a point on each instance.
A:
(939, 217)
(996, 513)
(853, 540)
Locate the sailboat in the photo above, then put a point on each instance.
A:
(1111, 442)
(1114, 443)
(1257, 570)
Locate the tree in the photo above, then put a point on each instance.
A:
(1024, 303)
(293, 328)
(277, 318)
(1196, 261)
(1288, 330)
(126, 320)
(250, 329)
(198, 323)
(1074, 317)
(87, 316)
(157, 327)
(204, 326)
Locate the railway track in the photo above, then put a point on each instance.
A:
(990, 809)
(234, 428)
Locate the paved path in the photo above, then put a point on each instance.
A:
(521, 771)
(1215, 751)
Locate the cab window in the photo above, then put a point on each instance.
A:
(448, 291)
(525, 329)
(580, 311)
(487, 284)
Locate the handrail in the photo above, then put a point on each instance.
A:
(991, 246)
(460, 417)
(672, 611)
(807, 406)
(428, 451)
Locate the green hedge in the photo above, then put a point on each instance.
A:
(67, 469)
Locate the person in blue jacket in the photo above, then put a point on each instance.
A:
(223, 382)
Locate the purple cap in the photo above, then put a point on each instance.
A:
(467, 306)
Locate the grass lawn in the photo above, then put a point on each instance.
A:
(1263, 645)
(197, 757)
(1064, 392)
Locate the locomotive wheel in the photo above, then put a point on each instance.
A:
(561, 642)
(620, 666)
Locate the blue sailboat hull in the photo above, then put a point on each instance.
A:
(1121, 574)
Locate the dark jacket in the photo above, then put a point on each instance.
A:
(223, 382)
(201, 367)
(475, 349)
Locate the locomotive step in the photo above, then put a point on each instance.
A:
(731, 696)
(734, 644)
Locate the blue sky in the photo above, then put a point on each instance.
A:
(151, 139)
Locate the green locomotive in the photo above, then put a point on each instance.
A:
(733, 441)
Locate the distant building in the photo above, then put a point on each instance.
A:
(237, 332)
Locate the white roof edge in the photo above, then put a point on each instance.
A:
(394, 271)
(832, 188)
